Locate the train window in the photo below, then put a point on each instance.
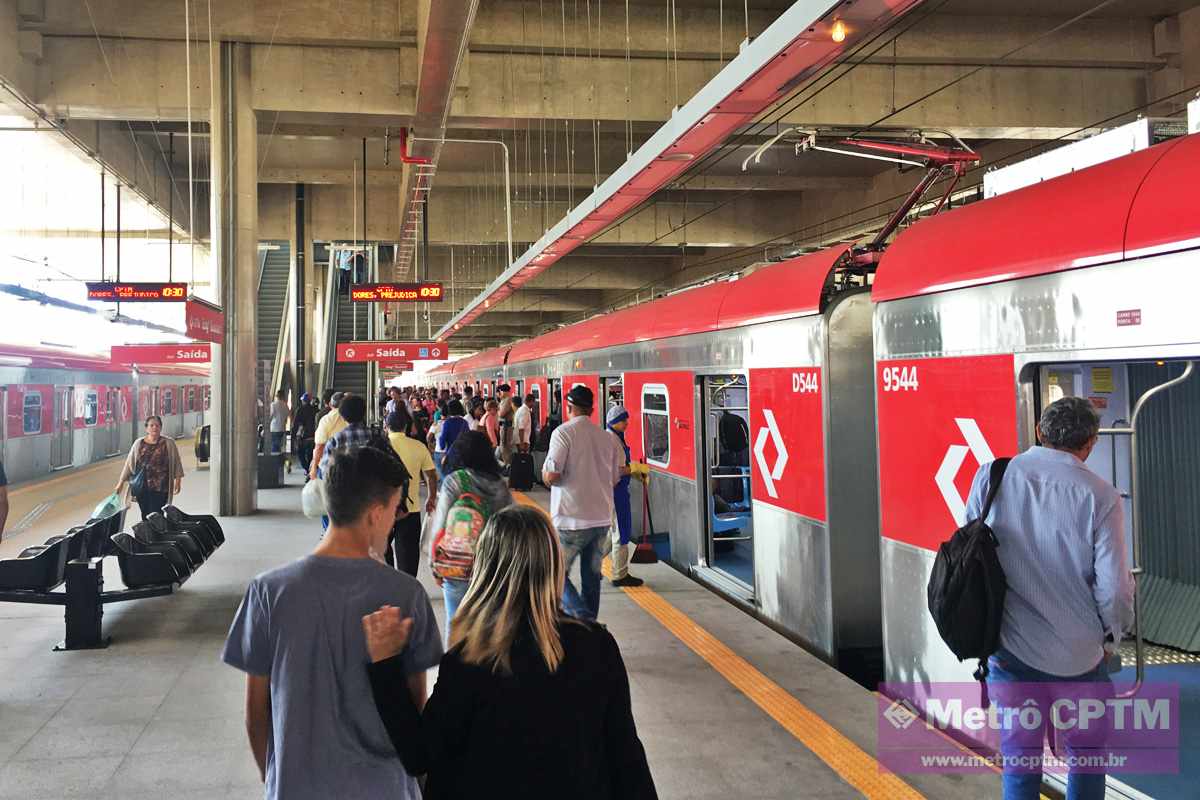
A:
(207, 398)
(656, 424)
(168, 401)
(91, 408)
(32, 417)
(189, 399)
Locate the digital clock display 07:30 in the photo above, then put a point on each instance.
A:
(140, 292)
(396, 293)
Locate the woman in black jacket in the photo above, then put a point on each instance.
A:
(529, 702)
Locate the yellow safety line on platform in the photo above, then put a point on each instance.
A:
(846, 758)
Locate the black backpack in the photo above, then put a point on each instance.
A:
(967, 587)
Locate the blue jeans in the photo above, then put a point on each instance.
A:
(452, 593)
(586, 544)
(1025, 783)
(277, 441)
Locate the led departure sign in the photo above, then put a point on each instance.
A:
(396, 293)
(138, 292)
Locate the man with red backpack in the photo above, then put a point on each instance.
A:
(472, 490)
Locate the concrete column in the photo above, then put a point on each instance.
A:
(300, 256)
(234, 207)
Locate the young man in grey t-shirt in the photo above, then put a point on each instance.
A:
(298, 636)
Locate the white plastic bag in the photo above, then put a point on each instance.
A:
(312, 498)
(108, 506)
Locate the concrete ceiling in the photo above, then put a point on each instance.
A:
(567, 98)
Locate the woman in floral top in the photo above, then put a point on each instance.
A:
(158, 458)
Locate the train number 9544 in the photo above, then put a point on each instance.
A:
(900, 379)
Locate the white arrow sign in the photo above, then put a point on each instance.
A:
(956, 454)
(769, 476)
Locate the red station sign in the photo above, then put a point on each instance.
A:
(396, 293)
(140, 292)
(205, 321)
(186, 353)
(390, 352)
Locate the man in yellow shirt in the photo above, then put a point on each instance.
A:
(404, 543)
(330, 424)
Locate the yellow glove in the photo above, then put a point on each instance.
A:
(640, 472)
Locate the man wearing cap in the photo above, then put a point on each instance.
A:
(582, 466)
(505, 415)
(330, 424)
(618, 421)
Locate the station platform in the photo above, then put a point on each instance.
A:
(726, 707)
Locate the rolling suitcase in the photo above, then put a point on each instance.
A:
(520, 473)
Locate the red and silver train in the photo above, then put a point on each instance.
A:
(867, 409)
(64, 409)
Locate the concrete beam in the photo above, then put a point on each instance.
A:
(148, 79)
(318, 23)
(16, 70)
(140, 166)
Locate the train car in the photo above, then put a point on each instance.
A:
(483, 371)
(1082, 285)
(865, 412)
(759, 489)
(64, 409)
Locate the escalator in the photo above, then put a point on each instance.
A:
(274, 266)
(350, 377)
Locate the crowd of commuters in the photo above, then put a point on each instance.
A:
(336, 645)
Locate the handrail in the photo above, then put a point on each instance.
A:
(1135, 525)
(262, 266)
(281, 342)
(329, 335)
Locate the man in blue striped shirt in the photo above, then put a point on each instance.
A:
(1060, 531)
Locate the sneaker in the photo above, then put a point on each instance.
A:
(628, 580)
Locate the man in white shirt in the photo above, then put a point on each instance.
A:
(279, 417)
(582, 467)
(523, 422)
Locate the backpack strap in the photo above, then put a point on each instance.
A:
(994, 479)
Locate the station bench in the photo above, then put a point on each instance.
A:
(161, 554)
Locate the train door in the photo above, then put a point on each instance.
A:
(112, 420)
(1154, 475)
(725, 484)
(62, 438)
(556, 398)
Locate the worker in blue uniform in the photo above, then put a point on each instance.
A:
(617, 421)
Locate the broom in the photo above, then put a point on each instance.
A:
(644, 553)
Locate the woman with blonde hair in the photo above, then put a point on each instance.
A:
(525, 694)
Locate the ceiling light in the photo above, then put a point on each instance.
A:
(838, 31)
(677, 157)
